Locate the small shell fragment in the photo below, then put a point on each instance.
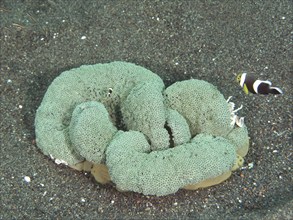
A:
(27, 179)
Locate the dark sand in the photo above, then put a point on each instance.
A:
(178, 40)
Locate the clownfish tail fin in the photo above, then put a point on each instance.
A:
(275, 90)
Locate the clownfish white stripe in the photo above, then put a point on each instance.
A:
(258, 82)
(243, 76)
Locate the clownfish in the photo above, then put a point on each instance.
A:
(255, 86)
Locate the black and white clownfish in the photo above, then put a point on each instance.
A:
(255, 86)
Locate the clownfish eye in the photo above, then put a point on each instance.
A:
(238, 77)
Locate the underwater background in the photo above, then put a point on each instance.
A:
(178, 40)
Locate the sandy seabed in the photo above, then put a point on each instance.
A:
(178, 40)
